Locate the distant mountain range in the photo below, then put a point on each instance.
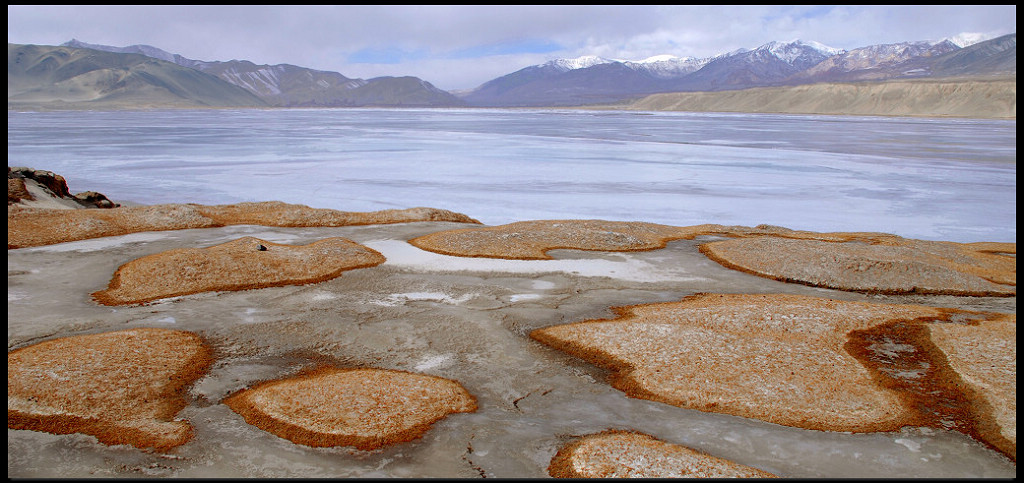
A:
(64, 77)
(286, 85)
(77, 73)
(593, 80)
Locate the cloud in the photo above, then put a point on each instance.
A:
(456, 46)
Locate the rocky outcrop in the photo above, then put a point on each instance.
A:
(22, 181)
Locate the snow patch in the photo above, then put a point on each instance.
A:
(626, 267)
(524, 296)
(433, 361)
(581, 62)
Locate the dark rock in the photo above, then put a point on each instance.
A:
(47, 179)
(92, 199)
(17, 191)
(54, 184)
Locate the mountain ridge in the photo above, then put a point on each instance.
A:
(771, 64)
(67, 77)
(582, 81)
(287, 85)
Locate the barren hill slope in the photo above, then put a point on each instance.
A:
(66, 78)
(977, 98)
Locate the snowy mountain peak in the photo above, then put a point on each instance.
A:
(661, 58)
(790, 51)
(581, 62)
(666, 66)
(965, 39)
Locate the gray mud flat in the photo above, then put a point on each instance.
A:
(458, 318)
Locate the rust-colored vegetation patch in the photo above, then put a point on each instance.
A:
(795, 360)
(984, 355)
(122, 387)
(628, 454)
(890, 265)
(531, 240)
(243, 264)
(364, 408)
(854, 261)
(29, 227)
(779, 358)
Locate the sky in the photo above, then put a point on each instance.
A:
(462, 46)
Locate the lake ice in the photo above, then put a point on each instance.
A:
(468, 319)
(934, 179)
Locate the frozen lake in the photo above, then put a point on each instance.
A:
(468, 319)
(936, 179)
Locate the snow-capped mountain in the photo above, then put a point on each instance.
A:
(769, 64)
(595, 79)
(291, 85)
(668, 66)
(581, 62)
(966, 39)
(903, 60)
(874, 61)
(591, 79)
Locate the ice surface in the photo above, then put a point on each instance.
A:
(467, 318)
(937, 179)
(402, 254)
(464, 322)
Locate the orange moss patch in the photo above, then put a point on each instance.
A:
(121, 387)
(890, 265)
(242, 264)
(984, 355)
(627, 454)
(365, 408)
(810, 362)
(778, 358)
(531, 240)
(856, 261)
(29, 227)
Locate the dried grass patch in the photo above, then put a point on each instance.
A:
(364, 408)
(811, 362)
(627, 454)
(29, 227)
(122, 387)
(243, 264)
(890, 265)
(984, 355)
(531, 240)
(854, 261)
